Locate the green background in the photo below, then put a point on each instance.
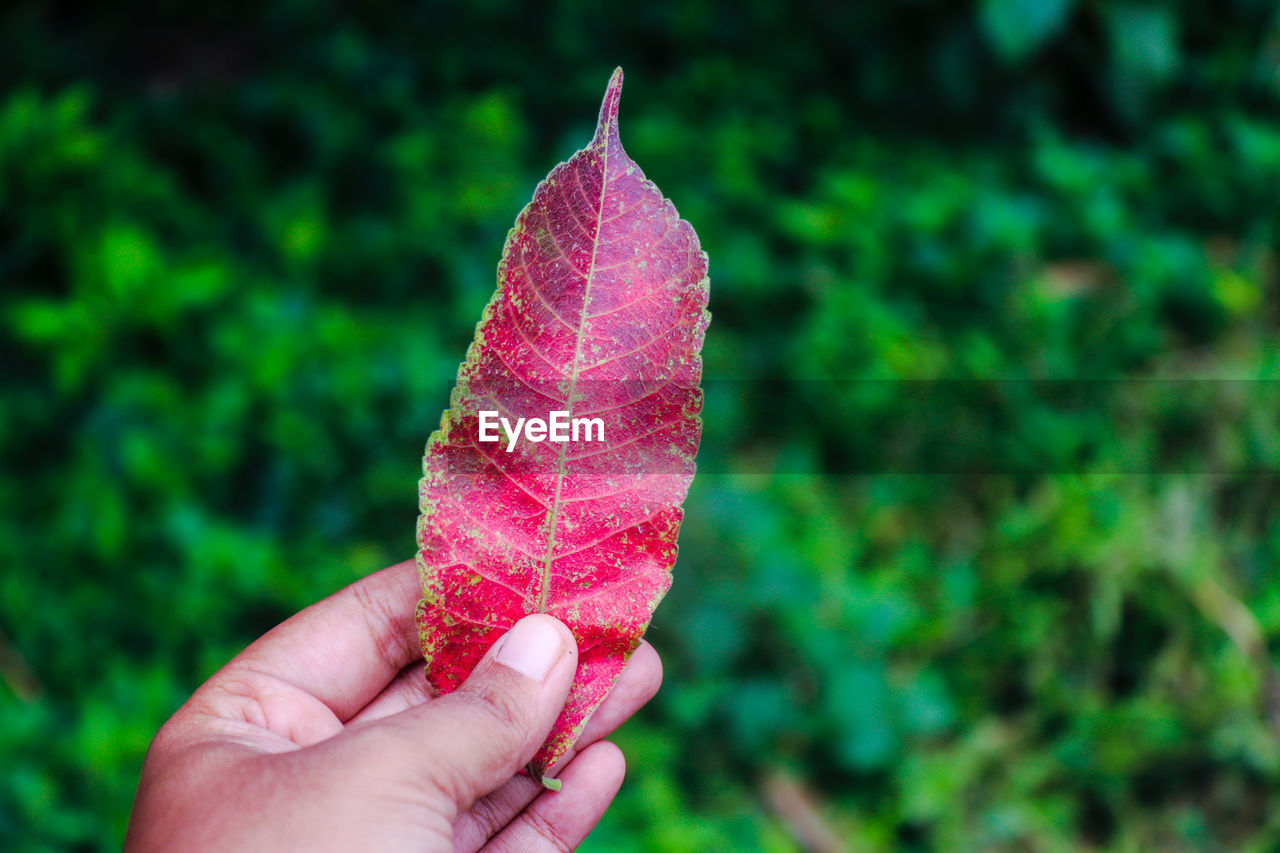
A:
(242, 252)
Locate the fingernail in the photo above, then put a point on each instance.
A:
(531, 647)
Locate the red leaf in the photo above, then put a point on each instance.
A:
(600, 312)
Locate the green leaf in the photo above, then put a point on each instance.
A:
(1016, 28)
(1143, 40)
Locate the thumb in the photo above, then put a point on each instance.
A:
(471, 741)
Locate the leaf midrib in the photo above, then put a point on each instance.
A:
(553, 513)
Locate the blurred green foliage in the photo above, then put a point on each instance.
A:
(242, 254)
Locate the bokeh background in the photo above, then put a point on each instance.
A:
(242, 251)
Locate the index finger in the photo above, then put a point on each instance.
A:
(344, 649)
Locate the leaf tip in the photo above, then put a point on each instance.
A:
(607, 127)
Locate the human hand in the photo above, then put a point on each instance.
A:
(323, 735)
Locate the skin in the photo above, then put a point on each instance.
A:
(323, 735)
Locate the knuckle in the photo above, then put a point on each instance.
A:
(546, 830)
(503, 712)
(390, 634)
(488, 818)
(497, 731)
(491, 814)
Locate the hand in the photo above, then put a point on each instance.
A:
(324, 735)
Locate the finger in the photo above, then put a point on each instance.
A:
(479, 735)
(559, 821)
(345, 649)
(411, 688)
(636, 686)
(638, 683)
